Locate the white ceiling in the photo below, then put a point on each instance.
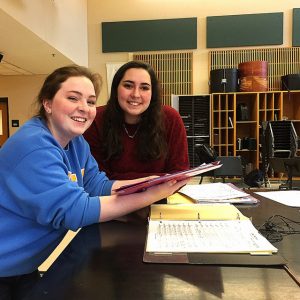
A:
(24, 53)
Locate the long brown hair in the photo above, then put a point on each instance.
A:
(151, 135)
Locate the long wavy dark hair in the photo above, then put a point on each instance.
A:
(151, 137)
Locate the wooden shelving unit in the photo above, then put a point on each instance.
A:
(227, 130)
(222, 120)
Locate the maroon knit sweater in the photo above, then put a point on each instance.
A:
(128, 166)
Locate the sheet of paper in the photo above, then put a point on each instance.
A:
(289, 198)
(238, 236)
(216, 192)
(212, 191)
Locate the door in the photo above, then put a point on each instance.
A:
(4, 128)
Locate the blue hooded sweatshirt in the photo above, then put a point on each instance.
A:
(45, 191)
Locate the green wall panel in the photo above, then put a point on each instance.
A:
(296, 27)
(150, 35)
(244, 30)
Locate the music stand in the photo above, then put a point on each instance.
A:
(291, 166)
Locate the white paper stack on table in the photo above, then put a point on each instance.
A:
(217, 193)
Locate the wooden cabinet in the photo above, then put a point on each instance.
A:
(237, 118)
(223, 116)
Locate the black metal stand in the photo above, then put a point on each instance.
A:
(290, 166)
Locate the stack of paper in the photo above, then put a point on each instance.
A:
(217, 193)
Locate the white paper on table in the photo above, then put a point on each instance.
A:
(206, 237)
(289, 198)
(212, 191)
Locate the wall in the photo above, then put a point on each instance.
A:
(21, 92)
(114, 10)
(61, 23)
(64, 27)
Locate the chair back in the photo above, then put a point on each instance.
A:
(231, 167)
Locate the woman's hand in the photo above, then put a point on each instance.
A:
(164, 190)
(119, 183)
(115, 206)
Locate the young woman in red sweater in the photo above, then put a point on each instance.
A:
(134, 135)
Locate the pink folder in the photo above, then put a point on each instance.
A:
(140, 186)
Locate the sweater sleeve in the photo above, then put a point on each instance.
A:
(95, 181)
(177, 157)
(46, 194)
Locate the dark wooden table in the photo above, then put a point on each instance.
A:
(105, 261)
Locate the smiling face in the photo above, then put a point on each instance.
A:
(134, 94)
(72, 109)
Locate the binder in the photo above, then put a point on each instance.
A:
(204, 214)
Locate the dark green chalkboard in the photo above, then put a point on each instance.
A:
(296, 27)
(151, 35)
(244, 30)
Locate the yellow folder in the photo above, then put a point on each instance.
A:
(195, 212)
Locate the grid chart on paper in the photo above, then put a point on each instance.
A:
(205, 236)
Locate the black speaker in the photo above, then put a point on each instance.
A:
(224, 80)
(242, 113)
(290, 82)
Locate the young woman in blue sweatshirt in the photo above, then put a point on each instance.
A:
(49, 181)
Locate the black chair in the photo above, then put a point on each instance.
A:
(232, 166)
(279, 140)
(290, 166)
(205, 154)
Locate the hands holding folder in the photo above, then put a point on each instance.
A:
(178, 176)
